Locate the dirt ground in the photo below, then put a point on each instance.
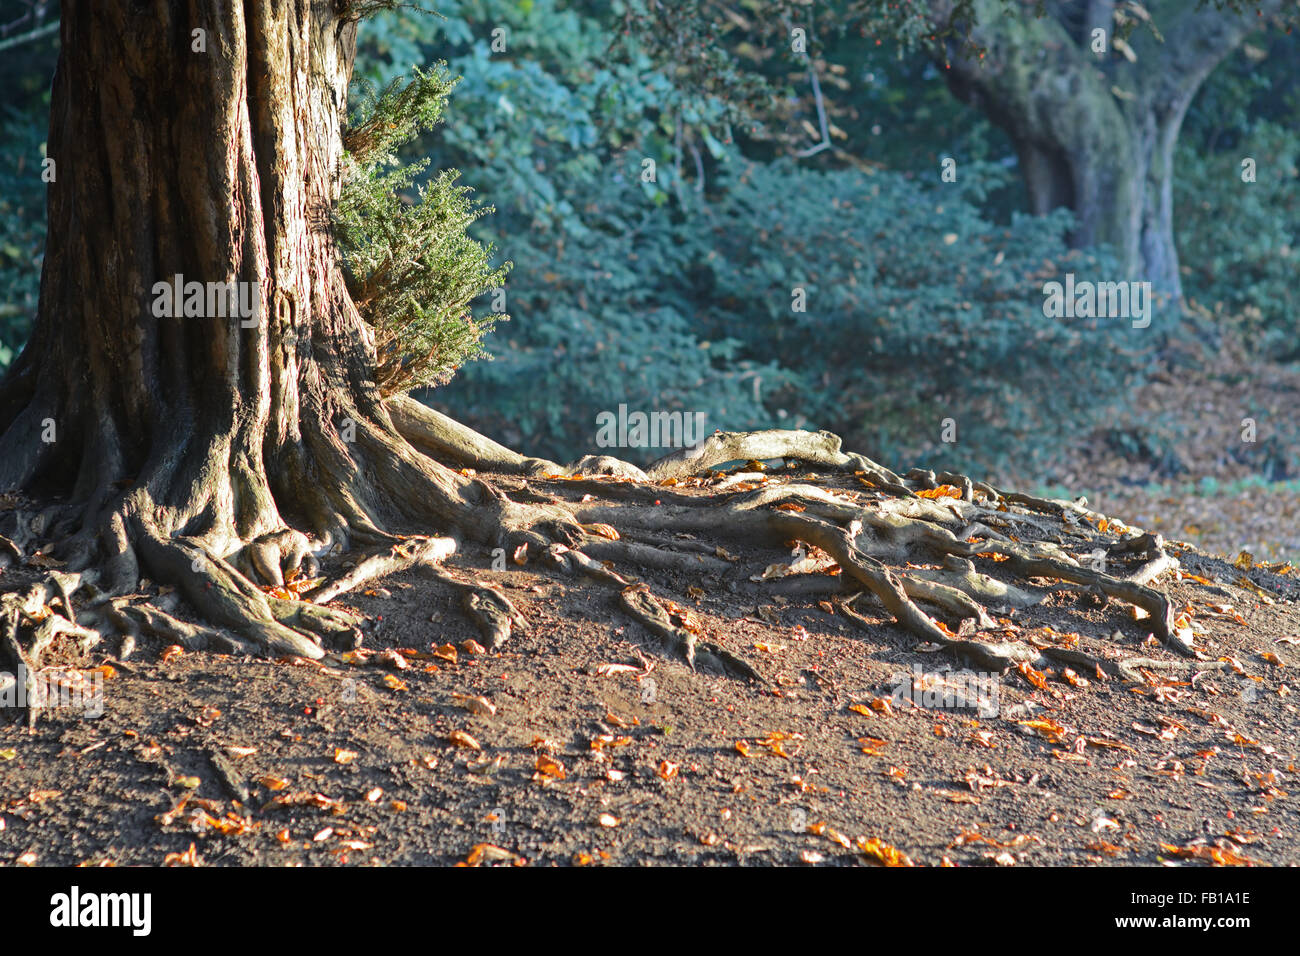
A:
(545, 754)
(1179, 459)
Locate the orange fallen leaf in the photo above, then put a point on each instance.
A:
(943, 491)
(189, 858)
(549, 767)
(871, 746)
(1211, 854)
(877, 851)
(1031, 675)
(482, 853)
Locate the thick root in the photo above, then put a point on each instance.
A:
(816, 448)
(494, 614)
(383, 480)
(399, 557)
(640, 604)
(224, 596)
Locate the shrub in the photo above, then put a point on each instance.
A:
(1238, 240)
(918, 310)
(412, 267)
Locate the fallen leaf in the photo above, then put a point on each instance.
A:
(550, 767)
(482, 853)
(477, 705)
(1211, 854)
(882, 853)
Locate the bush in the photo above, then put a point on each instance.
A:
(1238, 240)
(918, 310)
(603, 317)
(412, 267)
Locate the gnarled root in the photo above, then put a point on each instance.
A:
(399, 557)
(638, 602)
(242, 576)
(494, 614)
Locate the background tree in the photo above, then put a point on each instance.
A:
(1095, 107)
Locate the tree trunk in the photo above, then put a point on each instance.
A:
(1096, 133)
(203, 141)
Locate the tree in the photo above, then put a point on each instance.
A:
(210, 149)
(1094, 108)
(200, 388)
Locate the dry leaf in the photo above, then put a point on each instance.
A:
(548, 766)
(477, 705)
(1212, 854)
(877, 851)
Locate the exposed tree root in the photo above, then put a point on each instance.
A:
(447, 440)
(815, 448)
(494, 614)
(246, 584)
(399, 557)
(640, 604)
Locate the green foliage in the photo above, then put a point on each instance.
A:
(22, 228)
(664, 297)
(555, 132)
(1239, 242)
(917, 310)
(411, 265)
(604, 317)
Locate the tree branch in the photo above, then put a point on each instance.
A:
(36, 34)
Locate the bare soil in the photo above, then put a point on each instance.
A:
(356, 760)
